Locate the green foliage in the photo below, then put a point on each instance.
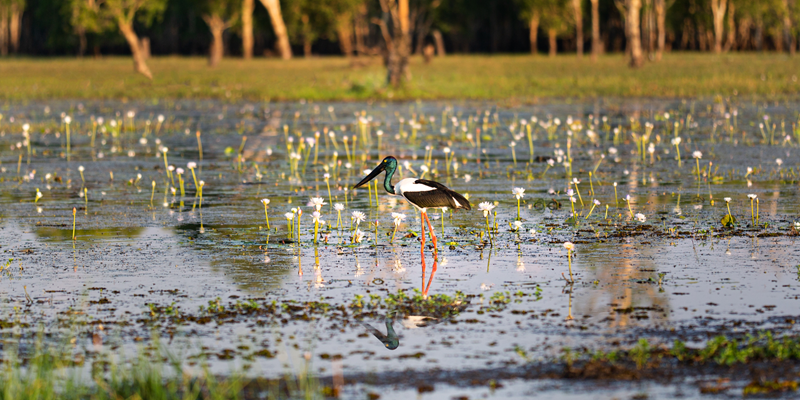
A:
(52, 372)
(728, 221)
(102, 15)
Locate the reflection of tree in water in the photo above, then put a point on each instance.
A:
(629, 301)
(251, 270)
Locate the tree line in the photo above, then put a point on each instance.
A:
(394, 29)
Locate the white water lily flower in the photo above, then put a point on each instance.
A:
(518, 193)
(67, 120)
(265, 201)
(569, 246)
(191, 165)
(640, 217)
(676, 141)
(752, 196)
(316, 217)
(727, 199)
(289, 215)
(486, 207)
(358, 217)
(551, 162)
(697, 154)
(517, 225)
(80, 168)
(180, 171)
(338, 206)
(318, 202)
(398, 218)
(596, 202)
(778, 161)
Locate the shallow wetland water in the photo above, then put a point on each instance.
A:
(217, 287)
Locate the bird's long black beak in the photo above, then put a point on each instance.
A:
(375, 172)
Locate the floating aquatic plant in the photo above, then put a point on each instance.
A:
(397, 219)
(519, 193)
(570, 247)
(752, 198)
(265, 201)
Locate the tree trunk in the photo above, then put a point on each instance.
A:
(731, 43)
(578, 14)
(534, 34)
(361, 28)
(597, 42)
(552, 37)
(344, 30)
(701, 37)
(651, 30)
(15, 25)
(718, 12)
(789, 37)
(139, 64)
(661, 16)
(438, 40)
(759, 36)
(397, 63)
(745, 25)
(275, 16)
(634, 7)
(217, 26)
(3, 30)
(307, 41)
(145, 46)
(248, 6)
(81, 31)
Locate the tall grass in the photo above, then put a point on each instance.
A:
(53, 371)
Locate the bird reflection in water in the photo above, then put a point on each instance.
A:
(390, 340)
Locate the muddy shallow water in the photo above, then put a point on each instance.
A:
(147, 262)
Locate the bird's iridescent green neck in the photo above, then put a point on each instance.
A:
(387, 181)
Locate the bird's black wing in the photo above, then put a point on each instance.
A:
(443, 194)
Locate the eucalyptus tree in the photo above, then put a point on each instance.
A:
(531, 13)
(10, 25)
(219, 15)
(100, 15)
(279, 27)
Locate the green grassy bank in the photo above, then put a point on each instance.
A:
(520, 77)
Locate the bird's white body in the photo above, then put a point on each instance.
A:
(409, 185)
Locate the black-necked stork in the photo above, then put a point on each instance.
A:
(420, 193)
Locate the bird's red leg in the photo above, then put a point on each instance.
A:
(424, 290)
(433, 235)
(430, 280)
(422, 238)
